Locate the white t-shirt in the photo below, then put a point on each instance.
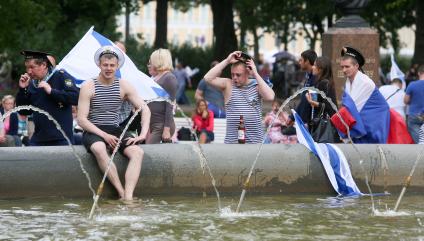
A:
(396, 99)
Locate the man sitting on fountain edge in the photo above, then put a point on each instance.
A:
(98, 109)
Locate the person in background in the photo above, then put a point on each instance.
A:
(412, 73)
(76, 128)
(279, 125)
(414, 97)
(183, 79)
(162, 125)
(125, 112)
(421, 135)
(303, 109)
(5, 140)
(242, 96)
(23, 129)
(265, 71)
(203, 122)
(394, 96)
(212, 95)
(324, 82)
(54, 94)
(11, 122)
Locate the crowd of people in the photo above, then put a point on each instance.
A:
(218, 97)
(95, 114)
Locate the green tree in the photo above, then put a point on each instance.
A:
(419, 33)
(249, 13)
(131, 6)
(54, 26)
(223, 28)
(388, 16)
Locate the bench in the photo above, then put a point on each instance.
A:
(219, 128)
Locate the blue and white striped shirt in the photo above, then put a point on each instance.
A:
(244, 101)
(105, 104)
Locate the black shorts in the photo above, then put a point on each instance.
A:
(89, 138)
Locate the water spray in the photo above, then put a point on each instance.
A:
(246, 183)
(100, 188)
(407, 182)
(33, 108)
(203, 161)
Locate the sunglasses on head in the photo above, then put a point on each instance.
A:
(244, 57)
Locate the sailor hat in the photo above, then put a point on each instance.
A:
(109, 50)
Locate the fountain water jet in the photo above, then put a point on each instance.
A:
(203, 161)
(33, 108)
(323, 95)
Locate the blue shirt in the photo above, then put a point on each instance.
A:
(416, 92)
(211, 94)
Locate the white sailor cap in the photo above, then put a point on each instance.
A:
(109, 50)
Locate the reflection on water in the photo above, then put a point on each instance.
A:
(194, 218)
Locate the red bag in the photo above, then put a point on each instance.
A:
(347, 117)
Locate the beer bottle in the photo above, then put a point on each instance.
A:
(241, 131)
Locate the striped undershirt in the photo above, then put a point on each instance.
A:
(421, 134)
(247, 102)
(105, 104)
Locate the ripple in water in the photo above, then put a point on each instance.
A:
(226, 212)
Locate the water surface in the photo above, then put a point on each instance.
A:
(195, 218)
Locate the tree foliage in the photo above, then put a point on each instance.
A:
(388, 16)
(54, 26)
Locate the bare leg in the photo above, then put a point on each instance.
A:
(100, 152)
(135, 156)
(202, 138)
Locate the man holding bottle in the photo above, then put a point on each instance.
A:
(242, 96)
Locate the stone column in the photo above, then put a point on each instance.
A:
(364, 39)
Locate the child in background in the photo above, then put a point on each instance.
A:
(203, 122)
(277, 133)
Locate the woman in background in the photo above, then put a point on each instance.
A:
(203, 122)
(11, 122)
(162, 125)
(324, 82)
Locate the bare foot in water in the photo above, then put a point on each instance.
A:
(133, 203)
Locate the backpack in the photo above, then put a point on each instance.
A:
(184, 134)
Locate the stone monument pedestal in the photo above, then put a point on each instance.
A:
(366, 40)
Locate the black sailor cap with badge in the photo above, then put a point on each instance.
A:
(44, 56)
(39, 55)
(349, 51)
(31, 54)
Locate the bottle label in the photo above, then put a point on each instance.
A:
(241, 135)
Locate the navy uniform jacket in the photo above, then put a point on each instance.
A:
(58, 104)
